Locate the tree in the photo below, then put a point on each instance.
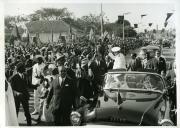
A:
(52, 14)
(117, 29)
(8, 21)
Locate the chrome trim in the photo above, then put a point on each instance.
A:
(166, 121)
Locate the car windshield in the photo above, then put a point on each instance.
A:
(136, 81)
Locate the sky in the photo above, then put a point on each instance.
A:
(156, 12)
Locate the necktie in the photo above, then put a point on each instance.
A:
(98, 63)
(62, 82)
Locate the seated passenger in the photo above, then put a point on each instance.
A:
(119, 82)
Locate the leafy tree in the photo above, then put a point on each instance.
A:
(117, 29)
(52, 13)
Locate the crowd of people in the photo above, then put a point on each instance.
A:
(65, 76)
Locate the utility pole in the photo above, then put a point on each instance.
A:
(101, 23)
(123, 28)
(123, 24)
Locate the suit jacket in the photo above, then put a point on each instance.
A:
(64, 95)
(150, 64)
(161, 65)
(20, 86)
(98, 70)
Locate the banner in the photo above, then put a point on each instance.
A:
(91, 34)
(25, 35)
(120, 19)
(15, 33)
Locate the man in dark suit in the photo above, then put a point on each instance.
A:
(65, 93)
(109, 63)
(161, 63)
(98, 68)
(21, 94)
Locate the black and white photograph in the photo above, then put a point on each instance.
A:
(90, 64)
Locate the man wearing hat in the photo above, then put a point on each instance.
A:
(20, 91)
(60, 61)
(119, 59)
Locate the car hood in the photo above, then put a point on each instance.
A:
(130, 110)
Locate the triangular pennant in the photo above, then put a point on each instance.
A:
(143, 15)
(168, 16)
(150, 24)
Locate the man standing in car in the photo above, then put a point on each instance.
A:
(119, 59)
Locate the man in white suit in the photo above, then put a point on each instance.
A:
(37, 75)
(119, 59)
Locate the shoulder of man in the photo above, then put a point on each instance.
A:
(13, 77)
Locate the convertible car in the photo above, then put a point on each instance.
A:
(129, 99)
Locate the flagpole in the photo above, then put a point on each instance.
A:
(123, 29)
(101, 23)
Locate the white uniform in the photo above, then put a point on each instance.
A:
(119, 61)
(37, 71)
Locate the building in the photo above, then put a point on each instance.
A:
(51, 31)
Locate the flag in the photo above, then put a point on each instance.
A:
(91, 34)
(25, 35)
(15, 34)
(70, 31)
(165, 24)
(120, 19)
(145, 30)
(135, 25)
(163, 30)
(105, 34)
(150, 24)
(143, 15)
(168, 16)
(154, 30)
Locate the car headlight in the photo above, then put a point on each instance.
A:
(166, 122)
(75, 118)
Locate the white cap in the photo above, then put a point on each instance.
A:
(115, 49)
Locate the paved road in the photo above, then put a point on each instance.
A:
(168, 53)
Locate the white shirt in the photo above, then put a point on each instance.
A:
(119, 61)
(37, 71)
(61, 80)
